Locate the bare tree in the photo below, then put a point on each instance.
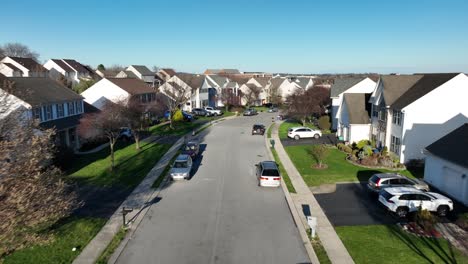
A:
(306, 104)
(319, 153)
(18, 50)
(251, 94)
(33, 194)
(274, 94)
(106, 123)
(115, 68)
(177, 97)
(228, 97)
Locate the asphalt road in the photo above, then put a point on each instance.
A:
(220, 215)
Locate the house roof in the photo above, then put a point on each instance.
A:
(356, 104)
(29, 64)
(108, 73)
(11, 66)
(343, 84)
(423, 86)
(193, 80)
(302, 82)
(276, 82)
(143, 70)
(239, 79)
(130, 74)
(231, 84)
(452, 147)
(224, 71)
(76, 66)
(219, 80)
(63, 65)
(37, 91)
(263, 81)
(132, 86)
(169, 71)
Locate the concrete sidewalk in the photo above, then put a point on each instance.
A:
(335, 249)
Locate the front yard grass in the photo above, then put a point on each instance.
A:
(389, 244)
(75, 232)
(283, 172)
(339, 170)
(283, 128)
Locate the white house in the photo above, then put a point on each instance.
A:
(409, 112)
(347, 85)
(255, 83)
(353, 117)
(118, 90)
(280, 87)
(138, 71)
(72, 70)
(303, 82)
(446, 166)
(188, 83)
(21, 67)
(49, 102)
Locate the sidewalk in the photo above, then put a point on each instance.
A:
(335, 249)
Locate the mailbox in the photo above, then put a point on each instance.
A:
(272, 142)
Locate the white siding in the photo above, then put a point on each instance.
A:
(102, 92)
(358, 132)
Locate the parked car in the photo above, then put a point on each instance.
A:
(201, 112)
(181, 168)
(213, 111)
(273, 110)
(402, 200)
(385, 180)
(192, 148)
(126, 133)
(304, 132)
(268, 174)
(250, 112)
(258, 129)
(187, 117)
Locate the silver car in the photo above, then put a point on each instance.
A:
(380, 181)
(181, 168)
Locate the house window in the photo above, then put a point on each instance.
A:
(382, 115)
(48, 112)
(71, 108)
(37, 113)
(396, 117)
(395, 145)
(79, 108)
(59, 110)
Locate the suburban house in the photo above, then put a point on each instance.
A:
(72, 70)
(281, 88)
(257, 84)
(446, 166)
(138, 71)
(118, 90)
(347, 85)
(354, 117)
(49, 102)
(165, 73)
(22, 67)
(189, 84)
(409, 112)
(106, 73)
(303, 82)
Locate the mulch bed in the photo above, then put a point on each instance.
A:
(415, 229)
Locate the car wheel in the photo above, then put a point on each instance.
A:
(297, 137)
(442, 210)
(316, 136)
(402, 212)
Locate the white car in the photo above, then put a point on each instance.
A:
(402, 200)
(268, 174)
(213, 111)
(303, 132)
(181, 168)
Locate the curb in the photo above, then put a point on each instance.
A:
(295, 214)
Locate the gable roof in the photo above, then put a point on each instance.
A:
(423, 86)
(219, 80)
(130, 74)
(395, 86)
(132, 86)
(29, 64)
(356, 104)
(143, 70)
(276, 83)
(222, 71)
(76, 66)
(239, 79)
(63, 65)
(169, 71)
(37, 91)
(263, 81)
(11, 66)
(452, 147)
(193, 80)
(342, 84)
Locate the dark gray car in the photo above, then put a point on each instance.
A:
(380, 181)
(250, 112)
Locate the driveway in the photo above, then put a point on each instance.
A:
(325, 139)
(351, 204)
(220, 215)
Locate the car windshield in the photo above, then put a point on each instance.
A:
(180, 164)
(270, 172)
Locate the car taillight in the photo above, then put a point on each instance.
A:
(263, 178)
(377, 184)
(277, 178)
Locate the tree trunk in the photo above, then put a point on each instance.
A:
(303, 120)
(111, 144)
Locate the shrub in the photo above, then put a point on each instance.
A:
(178, 116)
(384, 151)
(361, 144)
(340, 146)
(462, 221)
(395, 158)
(425, 219)
(385, 162)
(347, 149)
(355, 152)
(324, 123)
(367, 150)
(373, 143)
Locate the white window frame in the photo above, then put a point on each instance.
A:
(60, 110)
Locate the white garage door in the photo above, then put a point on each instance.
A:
(455, 184)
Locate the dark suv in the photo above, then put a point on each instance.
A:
(258, 129)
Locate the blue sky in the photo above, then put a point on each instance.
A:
(254, 35)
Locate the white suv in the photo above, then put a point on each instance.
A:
(213, 111)
(402, 200)
(303, 132)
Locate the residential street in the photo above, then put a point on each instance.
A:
(220, 215)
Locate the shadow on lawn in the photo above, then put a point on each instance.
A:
(426, 244)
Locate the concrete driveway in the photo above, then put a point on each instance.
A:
(220, 215)
(351, 204)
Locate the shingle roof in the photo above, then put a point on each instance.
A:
(171, 72)
(193, 80)
(453, 146)
(143, 70)
(239, 79)
(343, 84)
(130, 74)
(225, 71)
(356, 104)
(29, 64)
(132, 86)
(423, 86)
(76, 66)
(275, 83)
(37, 91)
(263, 81)
(219, 80)
(63, 65)
(302, 82)
(11, 66)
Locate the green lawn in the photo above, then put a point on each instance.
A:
(339, 170)
(74, 233)
(131, 165)
(283, 129)
(389, 244)
(283, 172)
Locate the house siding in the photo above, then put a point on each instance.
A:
(103, 91)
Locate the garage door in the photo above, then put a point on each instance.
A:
(455, 184)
